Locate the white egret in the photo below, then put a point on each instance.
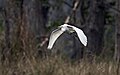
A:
(65, 27)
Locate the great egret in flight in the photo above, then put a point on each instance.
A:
(65, 27)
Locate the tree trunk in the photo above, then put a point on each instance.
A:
(117, 34)
(23, 19)
(34, 16)
(95, 26)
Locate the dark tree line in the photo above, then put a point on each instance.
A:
(28, 23)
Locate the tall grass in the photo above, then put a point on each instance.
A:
(59, 66)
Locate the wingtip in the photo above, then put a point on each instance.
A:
(85, 44)
(49, 47)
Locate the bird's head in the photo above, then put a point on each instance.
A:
(66, 27)
(63, 27)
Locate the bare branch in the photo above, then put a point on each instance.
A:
(76, 4)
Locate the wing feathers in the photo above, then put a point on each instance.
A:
(56, 33)
(53, 37)
(81, 36)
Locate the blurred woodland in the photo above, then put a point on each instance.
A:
(26, 25)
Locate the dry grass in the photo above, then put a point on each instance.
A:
(58, 66)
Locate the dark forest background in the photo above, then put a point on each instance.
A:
(26, 25)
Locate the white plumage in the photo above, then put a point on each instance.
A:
(65, 27)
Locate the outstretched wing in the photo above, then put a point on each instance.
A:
(53, 37)
(81, 35)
